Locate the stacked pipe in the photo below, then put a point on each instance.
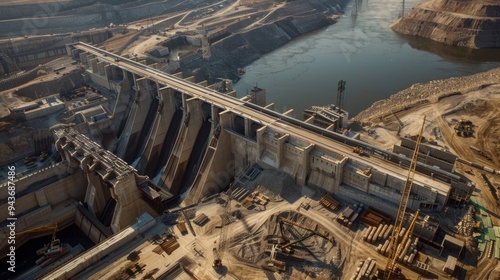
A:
(388, 232)
(385, 247)
(364, 269)
(366, 233)
(377, 233)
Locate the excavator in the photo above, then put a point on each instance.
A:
(54, 248)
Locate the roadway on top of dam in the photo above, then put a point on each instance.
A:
(308, 132)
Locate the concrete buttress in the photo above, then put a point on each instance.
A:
(130, 137)
(174, 170)
(149, 158)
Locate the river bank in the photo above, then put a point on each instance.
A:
(429, 92)
(275, 30)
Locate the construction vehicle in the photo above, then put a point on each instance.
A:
(54, 248)
(464, 128)
(359, 151)
(392, 271)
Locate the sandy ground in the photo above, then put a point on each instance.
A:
(243, 255)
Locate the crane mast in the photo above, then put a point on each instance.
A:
(398, 224)
(219, 251)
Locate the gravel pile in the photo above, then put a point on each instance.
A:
(428, 92)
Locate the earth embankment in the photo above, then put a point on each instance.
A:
(465, 23)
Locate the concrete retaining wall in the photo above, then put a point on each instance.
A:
(24, 182)
(71, 187)
(89, 257)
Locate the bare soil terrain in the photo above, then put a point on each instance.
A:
(445, 103)
(470, 23)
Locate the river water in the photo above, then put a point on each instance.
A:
(375, 62)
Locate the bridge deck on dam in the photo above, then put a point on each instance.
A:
(265, 117)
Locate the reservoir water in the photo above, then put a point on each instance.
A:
(375, 61)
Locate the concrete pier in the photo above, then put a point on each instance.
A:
(163, 117)
(130, 138)
(176, 165)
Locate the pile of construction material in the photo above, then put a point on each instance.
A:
(407, 252)
(349, 215)
(255, 198)
(167, 246)
(239, 193)
(182, 228)
(329, 202)
(201, 220)
(376, 233)
(364, 270)
(374, 217)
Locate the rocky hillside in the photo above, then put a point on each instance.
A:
(466, 23)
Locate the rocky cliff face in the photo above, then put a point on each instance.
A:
(466, 23)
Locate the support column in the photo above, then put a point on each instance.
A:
(261, 146)
(84, 59)
(248, 127)
(301, 178)
(102, 70)
(215, 116)
(93, 65)
(281, 149)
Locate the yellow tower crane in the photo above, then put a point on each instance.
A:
(54, 247)
(398, 224)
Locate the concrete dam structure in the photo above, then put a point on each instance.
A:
(169, 137)
(193, 139)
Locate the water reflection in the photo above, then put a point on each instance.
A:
(450, 53)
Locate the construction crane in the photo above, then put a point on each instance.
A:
(219, 250)
(54, 247)
(398, 224)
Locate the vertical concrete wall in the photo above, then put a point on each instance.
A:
(123, 104)
(24, 182)
(129, 203)
(96, 197)
(218, 165)
(129, 139)
(89, 228)
(70, 187)
(75, 265)
(161, 124)
(177, 162)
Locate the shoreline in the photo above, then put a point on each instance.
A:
(243, 48)
(429, 92)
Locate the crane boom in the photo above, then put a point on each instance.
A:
(398, 224)
(37, 229)
(52, 247)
